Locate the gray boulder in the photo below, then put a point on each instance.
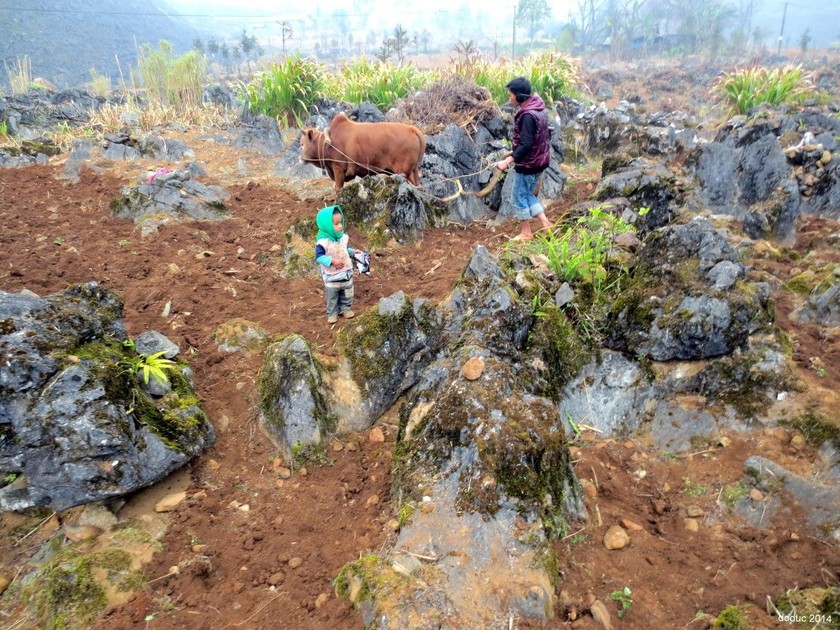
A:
(76, 426)
(675, 307)
(822, 309)
(169, 197)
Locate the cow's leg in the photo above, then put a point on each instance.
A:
(338, 176)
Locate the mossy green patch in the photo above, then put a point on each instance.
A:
(373, 579)
(741, 381)
(816, 428)
(132, 532)
(561, 347)
(819, 605)
(366, 341)
(177, 419)
(731, 493)
(63, 592)
(368, 570)
(241, 333)
(732, 618)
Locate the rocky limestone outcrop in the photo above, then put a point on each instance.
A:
(687, 298)
(485, 465)
(164, 196)
(477, 447)
(305, 398)
(78, 422)
(768, 168)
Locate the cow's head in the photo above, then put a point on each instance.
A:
(312, 147)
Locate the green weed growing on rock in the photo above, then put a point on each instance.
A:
(154, 365)
(745, 89)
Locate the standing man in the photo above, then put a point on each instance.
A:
(530, 156)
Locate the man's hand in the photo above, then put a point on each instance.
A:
(503, 164)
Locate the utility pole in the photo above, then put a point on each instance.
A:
(782, 32)
(513, 45)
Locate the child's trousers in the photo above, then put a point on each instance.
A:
(339, 297)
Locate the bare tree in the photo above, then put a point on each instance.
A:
(213, 46)
(249, 46)
(702, 22)
(424, 38)
(285, 33)
(589, 20)
(627, 23)
(531, 13)
(398, 43)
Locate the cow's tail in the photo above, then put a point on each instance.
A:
(422, 151)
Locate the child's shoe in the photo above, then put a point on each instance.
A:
(348, 314)
(332, 319)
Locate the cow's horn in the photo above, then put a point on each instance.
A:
(491, 184)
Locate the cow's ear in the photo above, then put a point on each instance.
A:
(310, 133)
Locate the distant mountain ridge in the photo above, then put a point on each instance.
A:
(64, 40)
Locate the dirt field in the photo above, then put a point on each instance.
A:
(272, 565)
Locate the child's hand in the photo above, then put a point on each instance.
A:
(338, 264)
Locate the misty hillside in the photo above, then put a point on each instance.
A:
(64, 40)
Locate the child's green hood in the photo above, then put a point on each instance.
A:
(324, 221)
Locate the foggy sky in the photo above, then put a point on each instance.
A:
(819, 18)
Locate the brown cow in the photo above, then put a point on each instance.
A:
(355, 149)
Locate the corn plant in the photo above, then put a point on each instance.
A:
(745, 89)
(379, 82)
(177, 82)
(286, 90)
(552, 74)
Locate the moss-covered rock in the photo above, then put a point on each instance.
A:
(69, 589)
(685, 298)
(388, 208)
(387, 347)
(295, 410)
(817, 605)
(81, 425)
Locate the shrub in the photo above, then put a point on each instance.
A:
(552, 74)
(379, 82)
(745, 89)
(20, 74)
(100, 85)
(176, 82)
(286, 90)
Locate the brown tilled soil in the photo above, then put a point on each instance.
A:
(272, 565)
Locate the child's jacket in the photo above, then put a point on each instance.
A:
(332, 247)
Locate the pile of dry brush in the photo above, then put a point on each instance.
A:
(449, 101)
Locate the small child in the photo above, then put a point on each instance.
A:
(336, 261)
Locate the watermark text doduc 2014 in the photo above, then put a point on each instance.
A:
(797, 618)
